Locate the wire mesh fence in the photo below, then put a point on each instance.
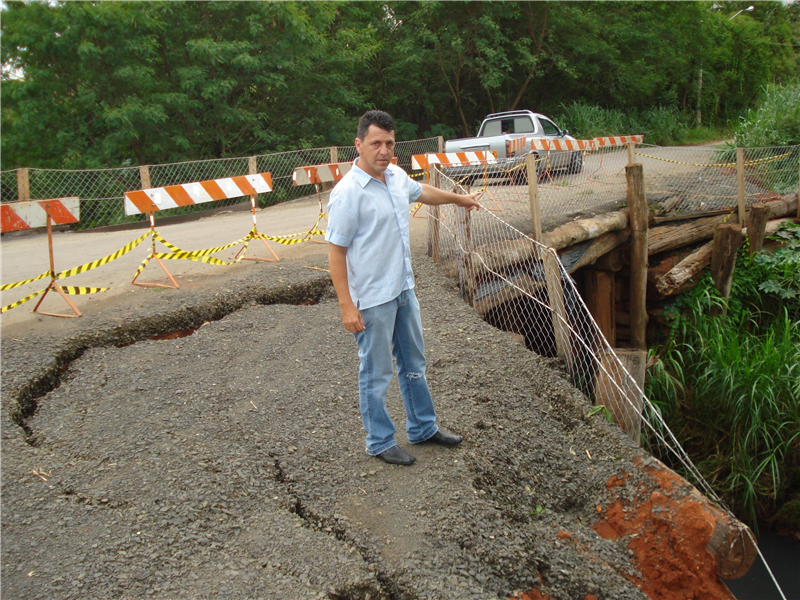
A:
(521, 286)
(101, 190)
(679, 181)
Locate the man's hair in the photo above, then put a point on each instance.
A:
(374, 117)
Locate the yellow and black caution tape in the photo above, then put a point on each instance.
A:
(9, 286)
(103, 261)
(74, 290)
(23, 301)
(728, 165)
(191, 255)
(68, 273)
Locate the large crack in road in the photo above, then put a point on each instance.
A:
(230, 463)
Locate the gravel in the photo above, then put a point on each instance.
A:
(231, 463)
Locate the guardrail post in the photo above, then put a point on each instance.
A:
(533, 196)
(23, 184)
(144, 174)
(740, 182)
(639, 216)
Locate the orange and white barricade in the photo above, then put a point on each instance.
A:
(515, 145)
(152, 200)
(612, 142)
(453, 159)
(32, 214)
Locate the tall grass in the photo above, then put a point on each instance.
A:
(730, 385)
(661, 125)
(775, 121)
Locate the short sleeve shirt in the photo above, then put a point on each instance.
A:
(371, 220)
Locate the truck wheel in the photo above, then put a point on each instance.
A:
(575, 163)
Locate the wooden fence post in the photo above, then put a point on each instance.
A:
(252, 165)
(740, 182)
(757, 226)
(23, 184)
(435, 216)
(639, 215)
(440, 139)
(533, 196)
(631, 153)
(334, 154)
(468, 290)
(613, 391)
(555, 294)
(727, 239)
(144, 174)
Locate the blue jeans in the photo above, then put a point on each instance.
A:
(395, 329)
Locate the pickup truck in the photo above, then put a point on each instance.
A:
(498, 128)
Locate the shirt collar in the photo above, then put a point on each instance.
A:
(362, 177)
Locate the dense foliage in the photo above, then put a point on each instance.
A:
(88, 84)
(729, 386)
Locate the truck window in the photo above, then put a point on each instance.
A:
(549, 127)
(500, 126)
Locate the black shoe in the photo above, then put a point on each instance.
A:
(442, 438)
(396, 456)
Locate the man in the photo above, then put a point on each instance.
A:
(370, 263)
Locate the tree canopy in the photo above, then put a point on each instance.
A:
(91, 84)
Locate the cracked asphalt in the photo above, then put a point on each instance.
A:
(230, 463)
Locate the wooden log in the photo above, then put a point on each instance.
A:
(585, 229)
(669, 237)
(675, 280)
(599, 298)
(533, 196)
(639, 214)
(600, 247)
(613, 261)
(523, 286)
(756, 227)
(506, 253)
(727, 239)
(614, 390)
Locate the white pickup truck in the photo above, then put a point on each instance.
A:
(498, 128)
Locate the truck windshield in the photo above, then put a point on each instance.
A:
(500, 126)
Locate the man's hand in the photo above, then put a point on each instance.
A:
(352, 319)
(470, 201)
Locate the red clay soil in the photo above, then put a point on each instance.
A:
(669, 529)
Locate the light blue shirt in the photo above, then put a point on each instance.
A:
(371, 220)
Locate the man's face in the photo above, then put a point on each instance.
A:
(376, 150)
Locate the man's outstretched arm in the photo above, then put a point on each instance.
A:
(434, 196)
(351, 316)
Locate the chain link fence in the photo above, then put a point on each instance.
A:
(101, 190)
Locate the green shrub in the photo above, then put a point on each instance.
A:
(661, 125)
